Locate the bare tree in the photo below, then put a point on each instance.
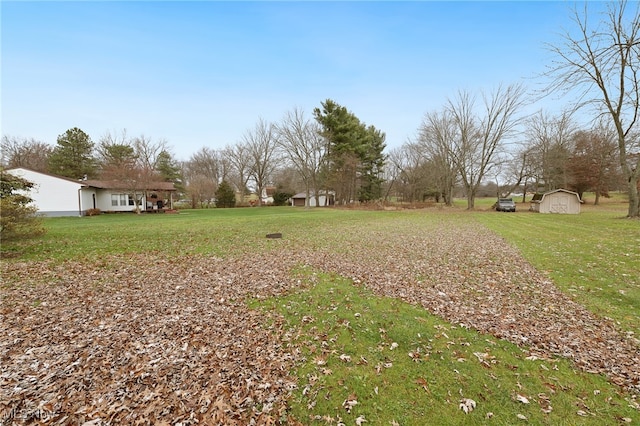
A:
(479, 140)
(132, 162)
(518, 172)
(207, 162)
(204, 171)
(412, 172)
(305, 148)
(602, 63)
(438, 134)
(549, 148)
(202, 191)
(116, 155)
(29, 153)
(148, 151)
(262, 147)
(119, 162)
(240, 163)
(593, 164)
(396, 160)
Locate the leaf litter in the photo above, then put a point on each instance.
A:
(142, 339)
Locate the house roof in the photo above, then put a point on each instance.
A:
(113, 184)
(44, 174)
(105, 184)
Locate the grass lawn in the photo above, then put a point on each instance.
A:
(397, 364)
(594, 256)
(362, 356)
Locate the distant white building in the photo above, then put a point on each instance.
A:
(300, 199)
(60, 196)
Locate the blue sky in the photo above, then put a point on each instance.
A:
(203, 73)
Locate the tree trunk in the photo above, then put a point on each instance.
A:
(471, 199)
(634, 201)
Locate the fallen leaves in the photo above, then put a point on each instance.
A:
(350, 402)
(141, 339)
(345, 358)
(451, 273)
(123, 346)
(467, 405)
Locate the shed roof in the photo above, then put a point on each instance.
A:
(538, 197)
(311, 194)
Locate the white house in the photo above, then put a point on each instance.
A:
(60, 196)
(557, 201)
(300, 199)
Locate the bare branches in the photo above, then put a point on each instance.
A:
(602, 65)
(469, 140)
(262, 149)
(304, 147)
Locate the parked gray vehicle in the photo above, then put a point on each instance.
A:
(505, 205)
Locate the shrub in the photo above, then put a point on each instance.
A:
(18, 218)
(280, 198)
(93, 212)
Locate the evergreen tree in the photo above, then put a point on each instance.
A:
(354, 152)
(19, 217)
(170, 170)
(73, 155)
(372, 165)
(225, 196)
(281, 196)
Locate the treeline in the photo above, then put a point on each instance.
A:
(455, 151)
(333, 151)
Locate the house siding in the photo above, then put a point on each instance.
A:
(52, 196)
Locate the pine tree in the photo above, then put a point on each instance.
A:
(225, 196)
(73, 155)
(354, 152)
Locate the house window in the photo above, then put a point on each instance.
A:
(119, 200)
(132, 199)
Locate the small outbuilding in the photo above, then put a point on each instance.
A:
(325, 199)
(560, 201)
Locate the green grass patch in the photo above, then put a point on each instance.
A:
(386, 361)
(594, 257)
(218, 232)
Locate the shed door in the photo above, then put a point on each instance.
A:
(560, 204)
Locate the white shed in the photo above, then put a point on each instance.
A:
(300, 199)
(560, 201)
